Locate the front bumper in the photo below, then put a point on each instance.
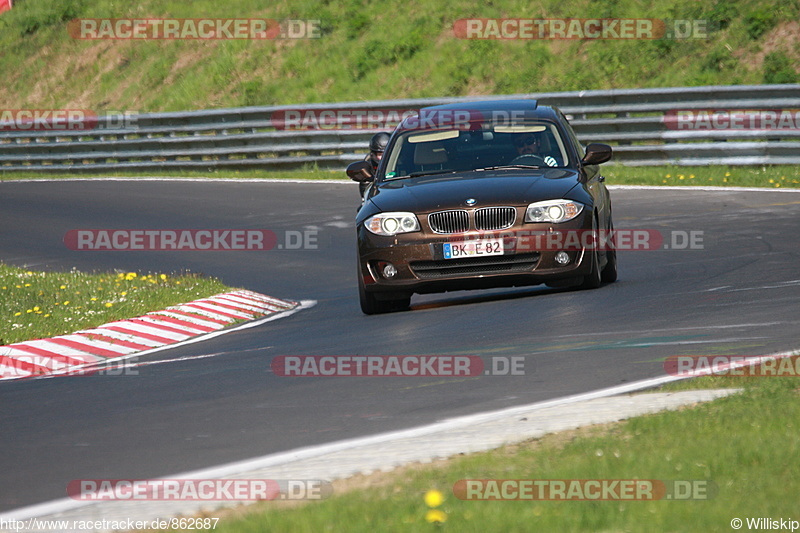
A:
(528, 259)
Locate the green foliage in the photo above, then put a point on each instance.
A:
(722, 14)
(30, 16)
(759, 22)
(778, 68)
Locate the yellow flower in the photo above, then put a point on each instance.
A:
(123, 293)
(109, 304)
(27, 284)
(163, 277)
(93, 299)
(17, 313)
(47, 315)
(66, 303)
(29, 273)
(36, 308)
(63, 287)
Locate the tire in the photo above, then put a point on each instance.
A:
(370, 305)
(593, 279)
(609, 273)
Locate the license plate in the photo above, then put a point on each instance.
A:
(474, 248)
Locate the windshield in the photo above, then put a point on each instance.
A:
(529, 145)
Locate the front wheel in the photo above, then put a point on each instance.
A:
(609, 274)
(593, 279)
(370, 305)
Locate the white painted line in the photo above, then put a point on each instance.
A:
(706, 188)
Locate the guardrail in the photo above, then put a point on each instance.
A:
(638, 123)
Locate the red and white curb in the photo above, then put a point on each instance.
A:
(197, 320)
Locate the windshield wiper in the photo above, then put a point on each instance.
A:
(428, 173)
(502, 167)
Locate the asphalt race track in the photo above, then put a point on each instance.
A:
(737, 295)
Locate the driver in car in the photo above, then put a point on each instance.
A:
(527, 144)
(530, 144)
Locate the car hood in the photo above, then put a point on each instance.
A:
(425, 194)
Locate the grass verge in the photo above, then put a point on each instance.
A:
(773, 177)
(35, 305)
(744, 446)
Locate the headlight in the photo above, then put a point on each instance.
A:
(388, 224)
(553, 211)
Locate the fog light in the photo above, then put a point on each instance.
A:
(388, 270)
(562, 258)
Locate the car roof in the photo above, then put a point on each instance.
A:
(530, 109)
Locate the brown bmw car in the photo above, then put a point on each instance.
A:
(481, 195)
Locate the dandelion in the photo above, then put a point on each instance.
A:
(66, 302)
(123, 293)
(36, 308)
(93, 299)
(163, 277)
(63, 287)
(27, 284)
(18, 313)
(109, 304)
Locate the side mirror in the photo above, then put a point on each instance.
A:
(596, 153)
(360, 171)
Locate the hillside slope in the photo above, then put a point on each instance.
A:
(378, 50)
